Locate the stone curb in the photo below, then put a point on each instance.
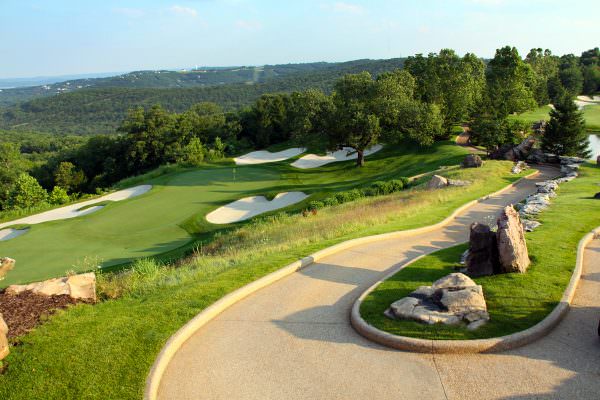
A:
(184, 333)
(498, 344)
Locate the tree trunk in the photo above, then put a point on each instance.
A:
(360, 158)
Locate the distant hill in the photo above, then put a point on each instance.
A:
(9, 83)
(100, 106)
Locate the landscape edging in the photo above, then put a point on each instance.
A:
(177, 340)
(502, 343)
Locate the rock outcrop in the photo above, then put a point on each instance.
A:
(450, 300)
(80, 287)
(6, 264)
(3, 340)
(512, 249)
(482, 257)
(437, 182)
(519, 167)
(472, 161)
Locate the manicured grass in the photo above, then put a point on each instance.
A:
(173, 213)
(105, 351)
(591, 114)
(515, 301)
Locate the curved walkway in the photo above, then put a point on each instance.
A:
(293, 339)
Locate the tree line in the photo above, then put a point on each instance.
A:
(421, 103)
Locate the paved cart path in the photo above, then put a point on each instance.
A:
(293, 339)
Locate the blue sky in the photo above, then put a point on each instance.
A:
(56, 37)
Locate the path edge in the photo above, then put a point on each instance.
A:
(176, 341)
(491, 345)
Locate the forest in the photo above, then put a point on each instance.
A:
(421, 102)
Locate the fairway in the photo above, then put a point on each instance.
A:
(591, 114)
(173, 213)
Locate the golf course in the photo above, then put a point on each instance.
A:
(171, 217)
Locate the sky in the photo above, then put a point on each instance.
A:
(60, 37)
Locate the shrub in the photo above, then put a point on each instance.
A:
(330, 201)
(315, 205)
(58, 196)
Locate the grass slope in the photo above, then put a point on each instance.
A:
(105, 351)
(173, 213)
(590, 113)
(515, 301)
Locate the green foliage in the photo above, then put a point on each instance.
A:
(492, 132)
(565, 133)
(193, 153)
(25, 193)
(453, 83)
(377, 188)
(58, 196)
(570, 75)
(545, 66)
(510, 83)
(68, 177)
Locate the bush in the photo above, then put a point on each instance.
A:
(330, 201)
(25, 193)
(58, 196)
(315, 205)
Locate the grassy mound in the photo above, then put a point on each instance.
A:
(591, 114)
(105, 351)
(515, 301)
(172, 214)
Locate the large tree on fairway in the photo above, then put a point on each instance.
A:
(565, 133)
(354, 123)
(510, 83)
(570, 74)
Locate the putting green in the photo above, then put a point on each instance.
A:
(173, 213)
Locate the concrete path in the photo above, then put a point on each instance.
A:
(293, 340)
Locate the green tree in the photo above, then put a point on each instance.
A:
(510, 83)
(545, 66)
(58, 196)
(565, 133)
(453, 83)
(12, 165)
(355, 123)
(68, 176)
(308, 116)
(570, 74)
(193, 153)
(25, 193)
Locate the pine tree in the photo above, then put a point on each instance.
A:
(565, 133)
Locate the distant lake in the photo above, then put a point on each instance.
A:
(595, 145)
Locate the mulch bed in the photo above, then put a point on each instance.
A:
(26, 310)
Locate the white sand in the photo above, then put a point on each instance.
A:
(7, 234)
(72, 211)
(589, 99)
(249, 207)
(263, 156)
(314, 161)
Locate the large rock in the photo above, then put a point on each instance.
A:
(458, 182)
(523, 149)
(437, 182)
(472, 161)
(512, 249)
(80, 287)
(483, 253)
(597, 196)
(506, 152)
(6, 264)
(450, 300)
(3, 340)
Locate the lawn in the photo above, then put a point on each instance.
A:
(172, 214)
(515, 301)
(591, 114)
(105, 351)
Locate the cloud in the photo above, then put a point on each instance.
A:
(186, 11)
(347, 8)
(130, 12)
(248, 25)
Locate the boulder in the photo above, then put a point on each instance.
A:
(519, 167)
(6, 264)
(450, 300)
(597, 196)
(472, 161)
(3, 340)
(523, 149)
(481, 260)
(505, 152)
(537, 156)
(512, 249)
(458, 182)
(437, 182)
(530, 225)
(80, 287)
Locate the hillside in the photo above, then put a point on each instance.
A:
(99, 107)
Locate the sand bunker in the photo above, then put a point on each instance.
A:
(314, 161)
(249, 207)
(9, 233)
(74, 210)
(589, 99)
(263, 156)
